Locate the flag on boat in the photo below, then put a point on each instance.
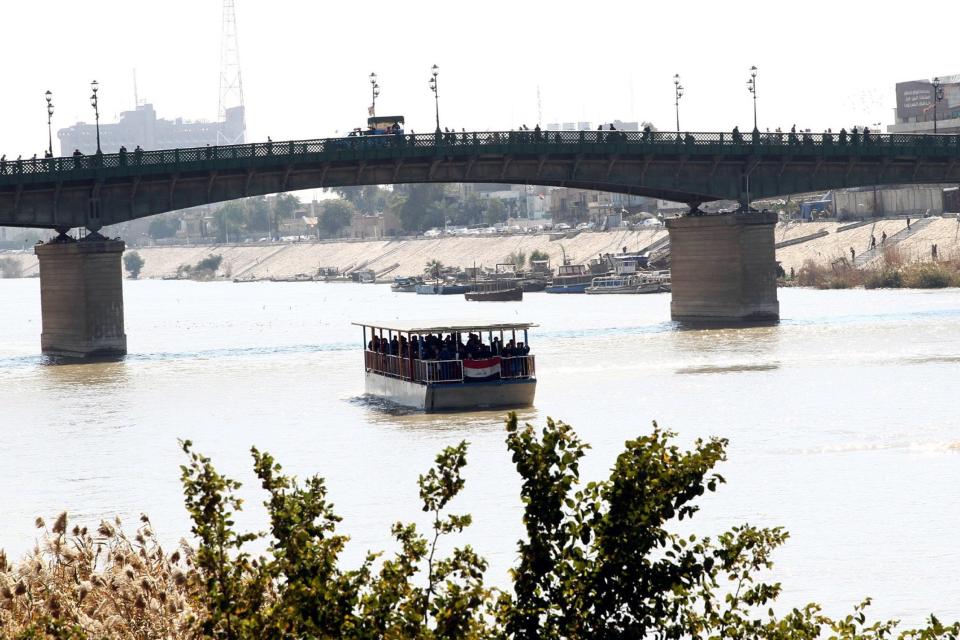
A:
(486, 369)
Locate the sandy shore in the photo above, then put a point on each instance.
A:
(408, 256)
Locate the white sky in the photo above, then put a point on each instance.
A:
(305, 63)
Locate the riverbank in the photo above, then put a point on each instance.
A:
(798, 244)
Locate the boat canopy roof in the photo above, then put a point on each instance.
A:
(447, 328)
(387, 120)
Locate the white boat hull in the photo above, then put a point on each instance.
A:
(468, 396)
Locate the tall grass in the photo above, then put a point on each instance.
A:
(99, 584)
(892, 271)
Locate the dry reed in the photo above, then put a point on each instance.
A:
(102, 582)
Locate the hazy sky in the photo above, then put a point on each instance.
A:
(305, 63)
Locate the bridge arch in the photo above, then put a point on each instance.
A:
(98, 190)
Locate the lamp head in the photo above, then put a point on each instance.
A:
(49, 96)
(95, 86)
(373, 78)
(435, 69)
(753, 72)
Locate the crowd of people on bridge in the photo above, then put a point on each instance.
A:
(449, 347)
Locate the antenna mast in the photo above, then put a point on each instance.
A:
(539, 108)
(231, 85)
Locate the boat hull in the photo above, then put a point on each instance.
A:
(642, 288)
(504, 295)
(568, 288)
(441, 289)
(469, 396)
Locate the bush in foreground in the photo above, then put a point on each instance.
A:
(598, 560)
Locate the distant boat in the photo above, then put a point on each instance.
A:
(493, 294)
(649, 282)
(441, 289)
(406, 285)
(570, 278)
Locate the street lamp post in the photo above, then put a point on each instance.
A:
(49, 97)
(937, 97)
(752, 88)
(436, 97)
(375, 91)
(94, 102)
(677, 94)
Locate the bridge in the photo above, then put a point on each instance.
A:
(723, 266)
(98, 190)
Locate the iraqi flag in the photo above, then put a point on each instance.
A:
(487, 369)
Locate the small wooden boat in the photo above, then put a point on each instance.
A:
(493, 294)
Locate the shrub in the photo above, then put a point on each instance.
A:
(598, 560)
(133, 263)
(10, 268)
(885, 278)
(930, 275)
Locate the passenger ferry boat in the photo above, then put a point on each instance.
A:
(450, 367)
(635, 283)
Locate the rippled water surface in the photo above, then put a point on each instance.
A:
(843, 419)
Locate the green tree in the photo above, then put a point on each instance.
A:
(516, 258)
(420, 206)
(433, 269)
(230, 221)
(133, 263)
(496, 211)
(368, 199)
(284, 205)
(162, 227)
(538, 256)
(258, 216)
(337, 214)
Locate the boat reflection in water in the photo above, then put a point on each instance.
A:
(450, 368)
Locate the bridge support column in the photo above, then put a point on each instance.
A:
(81, 298)
(723, 268)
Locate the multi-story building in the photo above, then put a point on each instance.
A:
(915, 107)
(142, 127)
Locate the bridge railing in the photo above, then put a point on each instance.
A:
(756, 142)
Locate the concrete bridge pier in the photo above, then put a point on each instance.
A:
(81, 297)
(723, 268)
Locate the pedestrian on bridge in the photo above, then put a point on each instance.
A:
(908, 224)
(883, 238)
(853, 254)
(873, 242)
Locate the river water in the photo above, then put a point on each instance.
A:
(842, 420)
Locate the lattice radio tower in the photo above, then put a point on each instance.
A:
(231, 85)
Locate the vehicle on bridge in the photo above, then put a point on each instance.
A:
(450, 367)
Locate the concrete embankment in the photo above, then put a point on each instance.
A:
(821, 242)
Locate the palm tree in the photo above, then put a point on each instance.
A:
(433, 269)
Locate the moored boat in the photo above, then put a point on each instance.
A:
(406, 285)
(450, 368)
(495, 294)
(570, 278)
(441, 289)
(644, 282)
